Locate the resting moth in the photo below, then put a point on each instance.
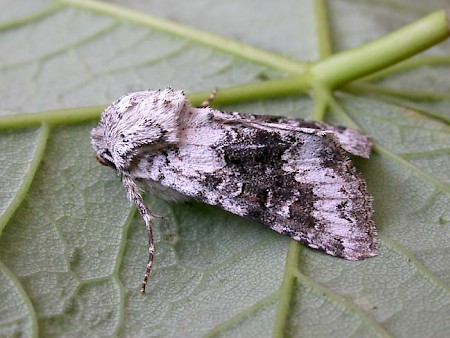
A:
(289, 174)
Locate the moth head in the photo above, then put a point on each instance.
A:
(138, 123)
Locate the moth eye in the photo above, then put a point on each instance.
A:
(101, 160)
(104, 161)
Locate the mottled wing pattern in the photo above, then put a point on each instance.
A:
(290, 175)
(351, 140)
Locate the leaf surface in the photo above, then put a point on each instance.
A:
(73, 249)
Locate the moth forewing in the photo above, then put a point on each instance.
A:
(291, 175)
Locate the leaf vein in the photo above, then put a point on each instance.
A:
(28, 178)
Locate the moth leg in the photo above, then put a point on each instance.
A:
(134, 195)
(210, 99)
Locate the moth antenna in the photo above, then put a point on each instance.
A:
(134, 194)
(210, 99)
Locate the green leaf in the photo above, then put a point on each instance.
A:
(73, 249)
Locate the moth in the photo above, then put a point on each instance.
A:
(292, 175)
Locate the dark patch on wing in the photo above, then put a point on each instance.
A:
(262, 149)
(213, 181)
(256, 161)
(301, 209)
(332, 156)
